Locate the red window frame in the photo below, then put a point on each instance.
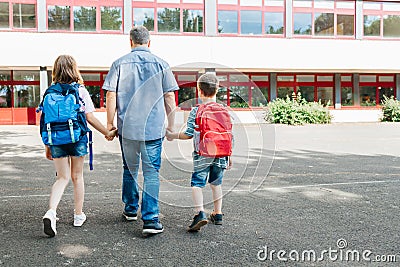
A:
(100, 83)
(335, 10)
(185, 83)
(86, 3)
(381, 13)
(347, 84)
(11, 15)
(379, 84)
(181, 5)
(263, 8)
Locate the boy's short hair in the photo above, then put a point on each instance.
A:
(208, 83)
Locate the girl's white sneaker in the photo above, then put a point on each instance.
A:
(79, 219)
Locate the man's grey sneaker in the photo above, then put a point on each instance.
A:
(130, 216)
(152, 227)
(49, 223)
(79, 219)
(199, 221)
(216, 218)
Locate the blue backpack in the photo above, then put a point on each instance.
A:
(62, 121)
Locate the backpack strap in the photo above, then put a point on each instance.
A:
(90, 151)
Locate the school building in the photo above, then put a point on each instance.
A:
(343, 53)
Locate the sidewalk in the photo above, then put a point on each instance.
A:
(301, 190)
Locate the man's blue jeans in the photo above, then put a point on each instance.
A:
(149, 152)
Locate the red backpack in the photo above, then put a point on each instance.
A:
(213, 131)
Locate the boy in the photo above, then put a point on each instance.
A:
(213, 162)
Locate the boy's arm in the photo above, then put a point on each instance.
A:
(178, 135)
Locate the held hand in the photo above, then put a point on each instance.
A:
(168, 134)
(111, 134)
(48, 153)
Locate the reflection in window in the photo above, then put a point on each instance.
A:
(192, 20)
(24, 16)
(227, 22)
(26, 96)
(345, 24)
(144, 17)
(26, 75)
(391, 26)
(307, 92)
(5, 96)
(94, 92)
(372, 25)
(325, 95)
(259, 96)
(347, 96)
(368, 95)
(168, 19)
(284, 92)
(239, 96)
(4, 15)
(222, 96)
(273, 22)
(84, 18)
(186, 97)
(111, 18)
(250, 22)
(385, 91)
(302, 23)
(58, 17)
(324, 24)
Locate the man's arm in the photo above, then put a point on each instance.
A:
(170, 106)
(111, 99)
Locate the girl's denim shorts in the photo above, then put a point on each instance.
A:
(78, 149)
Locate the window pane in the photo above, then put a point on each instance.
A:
(345, 24)
(250, 2)
(305, 78)
(368, 95)
(22, 75)
(84, 18)
(222, 95)
(285, 78)
(386, 78)
(274, 2)
(391, 26)
(250, 22)
(259, 96)
(192, 20)
(144, 17)
(239, 96)
(186, 97)
(187, 78)
(5, 96)
(194, 1)
(26, 96)
(111, 18)
(94, 92)
(227, 2)
(256, 78)
(238, 78)
(168, 19)
(367, 78)
(347, 96)
(345, 4)
(5, 75)
(283, 92)
(325, 95)
(324, 24)
(302, 23)
(24, 16)
(307, 92)
(227, 22)
(371, 5)
(325, 78)
(372, 26)
(4, 15)
(391, 6)
(345, 78)
(273, 22)
(326, 4)
(169, 1)
(90, 77)
(302, 3)
(59, 17)
(385, 91)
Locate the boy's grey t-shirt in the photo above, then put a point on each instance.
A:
(200, 162)
(140, 80)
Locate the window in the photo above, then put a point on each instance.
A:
(302, 23)
(273, 22)
(144, 17)
(192, 20)
(58, 17)
(373, 88)
(4, 15)
(111, 18)
(168, 19)
(345, 24)
(324, 24)
(250, 22)
(227, 22)
(24, 16)
(381, 19)
(84, 18)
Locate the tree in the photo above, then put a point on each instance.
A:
(169, 20)
(59, 18)
(85, 19)
(111, 18)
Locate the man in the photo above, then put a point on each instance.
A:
(141, 90)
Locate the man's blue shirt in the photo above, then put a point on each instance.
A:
(140, 80)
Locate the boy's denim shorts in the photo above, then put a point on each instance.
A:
(78, 149)
(214, 174)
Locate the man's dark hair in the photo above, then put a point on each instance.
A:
(208, 84)
(140, 35)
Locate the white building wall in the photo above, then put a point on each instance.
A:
(98, 51)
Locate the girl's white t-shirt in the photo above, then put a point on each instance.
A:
(88, 107)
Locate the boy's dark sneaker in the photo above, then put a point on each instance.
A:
(216, 219)
(199, 221)
(130, 216)
(152, 227)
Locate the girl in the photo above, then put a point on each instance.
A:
(68, 159)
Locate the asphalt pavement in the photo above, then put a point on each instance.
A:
(315, 195)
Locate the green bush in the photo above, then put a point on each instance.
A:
(297, 111)
(390, 109)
